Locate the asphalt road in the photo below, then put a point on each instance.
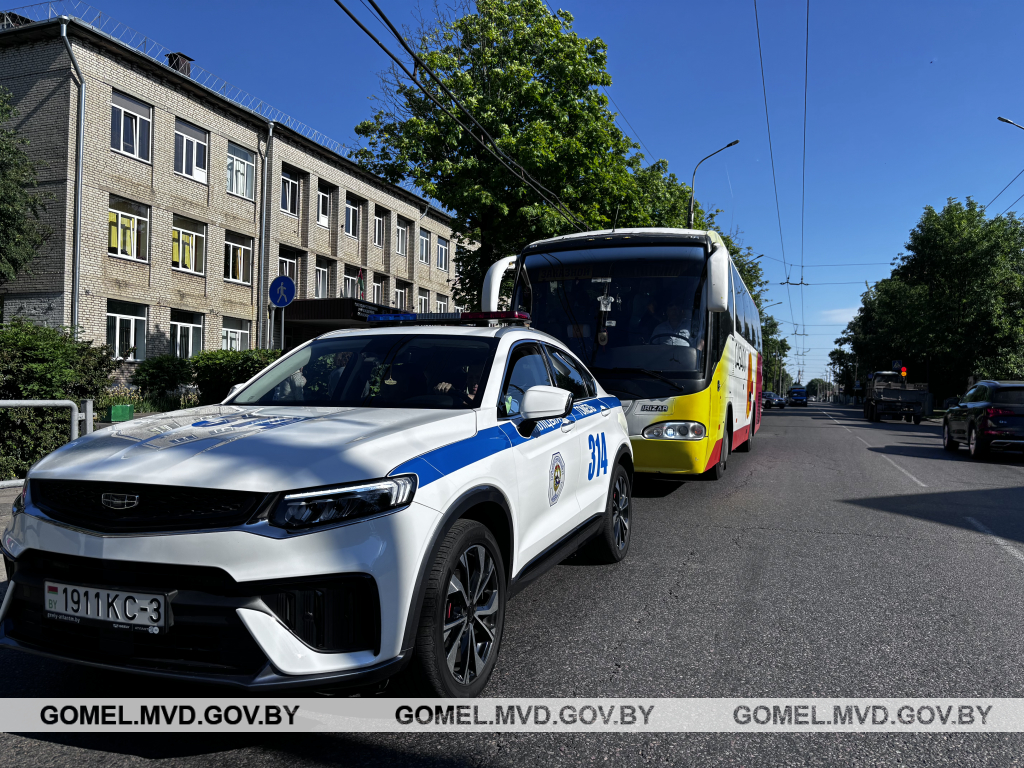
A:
(838, 558)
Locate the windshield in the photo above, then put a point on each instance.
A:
(628, 313)
(378, 371)
(798, 393)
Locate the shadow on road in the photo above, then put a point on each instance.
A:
(655, 486)
(1000, 509)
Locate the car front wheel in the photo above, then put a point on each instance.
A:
(611, 544)
(948, 442)
(463, 613)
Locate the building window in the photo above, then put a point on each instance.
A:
(188, 245)
(401, 296)
(286, 262)
(322, 285)
(353, 283)
(190, 145)
(126, 329)
(378, 290)
(378, 231)
(351, 219)
(424, 300)
(290, 193)
(186, 333)
(323, 209)
(241, 171)
(401, 238)
(234, 334)
(128, 229)
(130, 122)
(424, 246)
(237, 258)
(442, 254)
(442, 303)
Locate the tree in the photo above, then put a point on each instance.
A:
(534, 84)
(21, 232)
(953, 306)
(816, 387)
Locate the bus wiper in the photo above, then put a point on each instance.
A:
(652, 374)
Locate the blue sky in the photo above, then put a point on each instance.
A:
(902, 106)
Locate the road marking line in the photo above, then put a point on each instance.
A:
(1001, 542)
(869, 445)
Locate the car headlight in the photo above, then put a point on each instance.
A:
(299, 510)
(675, 430)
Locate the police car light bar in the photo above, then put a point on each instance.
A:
(449, 317)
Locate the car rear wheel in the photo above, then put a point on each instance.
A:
(974, 444)
(463, 613)
(948, 442)
(611, 544)
(918, 419)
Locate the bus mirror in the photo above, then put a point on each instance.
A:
(718, 280)
(492, 283)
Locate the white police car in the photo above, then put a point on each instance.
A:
(373, 497)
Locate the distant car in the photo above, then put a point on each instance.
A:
(990, 417)
(771, 400)
(813, 398)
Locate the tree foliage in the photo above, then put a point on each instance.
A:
(953, 306)
(21, 233)
(156, 376)
(215, 371)
(41, 363)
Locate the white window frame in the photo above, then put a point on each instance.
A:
(292, 184)
(424, 247)
(198, 174)
(134, 256)
(442, 303)
(442, 254)
(378, 291)
(423, 303)
(351, 219)
(378, 231)
(402, 239)
(351, 286)
(323, 208)
(321, 282)
(182, 234)
(176, 327)
(136, 131)
(242, 253)
(248, 173)
(132, 321)
(294, 266)
(231, 338)
(400, 297)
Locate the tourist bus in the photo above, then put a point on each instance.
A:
(662, 319)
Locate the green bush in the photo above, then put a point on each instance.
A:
(156, 376)
(41, 363)
(217, 370)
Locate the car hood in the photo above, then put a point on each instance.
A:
(257, 448)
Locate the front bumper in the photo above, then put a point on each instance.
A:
(672, 457)
(232, 622)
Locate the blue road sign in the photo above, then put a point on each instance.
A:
(282, 291)
(897, 364)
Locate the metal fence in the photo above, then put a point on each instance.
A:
(85, 415)
(122, 33)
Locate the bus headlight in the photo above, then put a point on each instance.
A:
(675, 430)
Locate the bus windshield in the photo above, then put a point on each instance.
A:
(636, 314)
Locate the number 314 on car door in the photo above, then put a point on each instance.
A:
(598, 456)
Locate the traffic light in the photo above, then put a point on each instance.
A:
(903, 372)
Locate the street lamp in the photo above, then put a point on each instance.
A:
(689, 220)
(1004, 120)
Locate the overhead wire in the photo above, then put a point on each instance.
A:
(507, 162)
(1005, 188)
(803, 178)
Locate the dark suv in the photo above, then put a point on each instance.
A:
(989, 417)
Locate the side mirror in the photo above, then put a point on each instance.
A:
(718, 280)
(543, 402)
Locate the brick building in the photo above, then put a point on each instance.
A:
(193, 201)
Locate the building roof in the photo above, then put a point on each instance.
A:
(34, 22)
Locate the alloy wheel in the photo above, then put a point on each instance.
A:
(620, 512)
(471, 614)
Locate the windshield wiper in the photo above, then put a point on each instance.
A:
(651, 374)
